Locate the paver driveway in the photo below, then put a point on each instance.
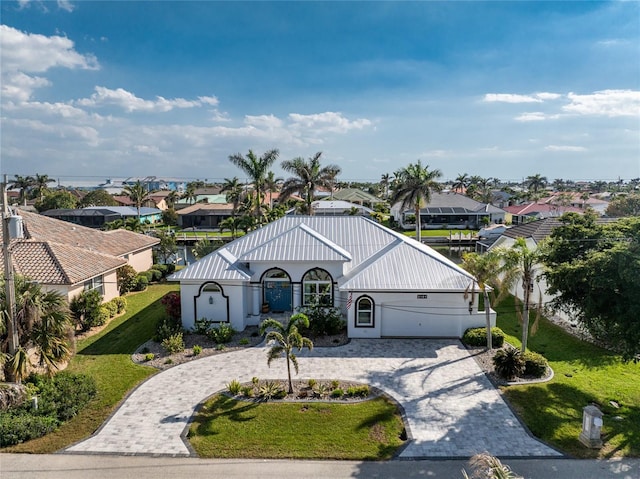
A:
(451, 407)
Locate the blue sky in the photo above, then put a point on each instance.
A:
(497, 89)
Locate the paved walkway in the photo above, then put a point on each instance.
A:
(451, 407)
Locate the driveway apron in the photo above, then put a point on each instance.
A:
(451, 408)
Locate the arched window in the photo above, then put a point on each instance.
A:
(317, 287)
(364, 312)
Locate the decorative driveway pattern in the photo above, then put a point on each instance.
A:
(451, 407)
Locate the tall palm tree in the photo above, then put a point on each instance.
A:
(256, 169)
(486, 269)
(520, 264)
(460, 183)
(190, 193)
(44, 324)
(285, 338)
(416, 182)
(385, 181)
(24, 184)
(309, 175)
(536, 182)
(40, 185)
(172, 199)
(232, 224)
(234, 190)
(270, 185)
(136, 193)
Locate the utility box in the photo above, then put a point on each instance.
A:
(16, 230)
(591, 427)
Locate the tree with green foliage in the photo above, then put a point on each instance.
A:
(57, 200)
(41, 186)
(461, 183)
(234, 192)
(593, 271)
(170, 217)
(167, 246)
(44, 325)
(487, 269)
(309, 175)
(23, 184)
(536, 183)
(285, 338)
(232, 224)
(414, 188)
(203, 247)
(627, 205)
(136, 193)
(97, 197)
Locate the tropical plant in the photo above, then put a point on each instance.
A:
(385, 181)
(133, 224)
(234, 190)
(415, 184)
(85, 309)
(308, 176)
(509, 362)
(190, 193)
(232, 224)
(167, 246)
(43, 323)
(460, 183)
(23, 184)
(56, 200)
(136, 193)
(536, 183)
(41, 185)
(256, 169)
(170, 217)
(485, 466)
(270, 185)
(97, 197)
(285, 339)
(203, 247)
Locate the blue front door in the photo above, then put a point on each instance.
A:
(278, 295)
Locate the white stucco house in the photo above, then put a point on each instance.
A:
(385, 284)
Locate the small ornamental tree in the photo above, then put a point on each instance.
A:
(171, 303)
(126, 279)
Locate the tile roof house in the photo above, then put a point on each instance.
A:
(450, 211)
(69, 258)
(536, 211)
(384, 283)
(98, 216)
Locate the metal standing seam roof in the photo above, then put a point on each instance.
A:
(381, 259)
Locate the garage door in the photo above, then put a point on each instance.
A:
(414, 320)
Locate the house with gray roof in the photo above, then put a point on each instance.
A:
(450, 211)
(98, 216)
(69, 258)
(384, 283)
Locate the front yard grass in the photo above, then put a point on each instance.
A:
(106, 357)
(584, 374)
(227, 428)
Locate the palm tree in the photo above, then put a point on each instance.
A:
(133, 224)
(23, 183)
(486, 268)
(385, 181)
(270, 185)
(172, 199)
(136, 193)
(460, 183)
(309, 175)
(234, 190)
(232, 224)
(190, 193)
(520, 263)
(40, 183)
(536, 182)
(44, 324)
(286, 338)
(256, 169)
(414, 189)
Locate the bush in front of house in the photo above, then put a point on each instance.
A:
(323, 320)
(121, 303)
(221, 334)
(127, 279)
(535, 365)
(166, 328)
(478, 337)
(86, 309)
(59, 398)
(174, 343)
(111, 307)
(509, 363)
(202, 326)
(142, 282)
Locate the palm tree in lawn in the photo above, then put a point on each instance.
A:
(285, 339)
(385, 181)
(256, 169)
(460, 183)
(308, 176)
(40, 185)
(234, 190)
(536, 183)
(520, 264)
(23, 183)
(486, 269)
(136, 193)
(416, 182)
(44, 325)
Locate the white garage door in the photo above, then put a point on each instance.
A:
(414, 320)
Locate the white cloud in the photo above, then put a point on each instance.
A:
(547, 96)
(329, 121)
(510, 98)
(536, 116)
(65, 5)
(263, 121)
(609, 103)
(130, 102)
(568, 148)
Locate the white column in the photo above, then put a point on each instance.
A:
(297, 295)
(256, 300)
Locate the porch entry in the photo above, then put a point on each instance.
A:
(277, 293)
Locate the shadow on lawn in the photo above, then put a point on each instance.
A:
(221, 406)
(554, 411)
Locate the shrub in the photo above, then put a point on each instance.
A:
(234, 387)
(247, 391)
(147, 274)
(335, 383)
(173, 344)
(509, 363)
(171, 268)
(202, 326)
(220, 347)
(111, 307)
(162, 268)
(166, 328)
(270, 390)
(312, 383)
(20, 426)
(156, 275)
(535, 364)
(323, 320)
(168, 361)
(337, 393)
(243, 341)
(358, 391)
(321, 390)
(121, 303)
(149, 357)
(85, 309)
(141, 283)
(197, 350)
(127, 280)
(221, 334)
(102, 317)
(172, 306)
(478, 337)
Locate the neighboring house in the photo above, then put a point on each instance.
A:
(576, 200)
(385, 284)
(359, 197)
(97, 216)
(204, 215)
(153, 183)
(450, 211)
(520, 214)
(70, 259)
(338, 208)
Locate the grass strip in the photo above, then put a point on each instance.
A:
(227, 428)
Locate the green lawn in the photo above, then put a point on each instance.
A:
(584, 373)
(106, 357)
(226, 428)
